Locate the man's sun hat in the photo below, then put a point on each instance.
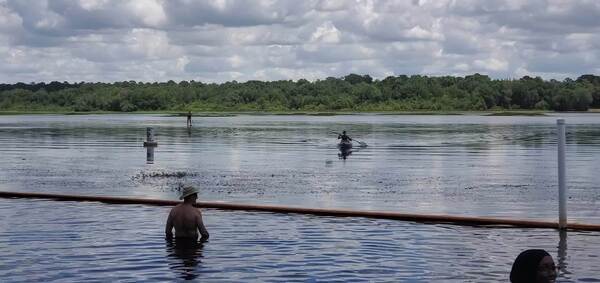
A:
(188, 190)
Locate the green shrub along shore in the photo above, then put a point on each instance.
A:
(351, 93)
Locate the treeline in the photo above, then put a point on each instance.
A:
(350, 93)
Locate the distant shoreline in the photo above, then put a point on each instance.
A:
(304, 113)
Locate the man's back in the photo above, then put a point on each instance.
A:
(187, 220)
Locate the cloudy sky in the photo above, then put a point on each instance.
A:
(222, 40)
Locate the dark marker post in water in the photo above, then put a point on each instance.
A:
(150, 137)
(150, 144)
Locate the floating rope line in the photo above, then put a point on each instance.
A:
(422, 218)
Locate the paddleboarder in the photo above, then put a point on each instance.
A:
(189, 118)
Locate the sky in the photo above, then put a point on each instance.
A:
(222, 40)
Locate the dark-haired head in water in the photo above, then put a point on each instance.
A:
(533, 266)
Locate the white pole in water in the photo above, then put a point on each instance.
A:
(562, 182)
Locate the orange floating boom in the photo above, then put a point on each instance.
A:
(422, 218)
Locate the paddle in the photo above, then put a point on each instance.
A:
(362, 144)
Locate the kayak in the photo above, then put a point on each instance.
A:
(345, 145)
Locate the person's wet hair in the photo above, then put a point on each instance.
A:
(525, 267)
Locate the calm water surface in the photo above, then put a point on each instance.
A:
(465, 165)
(92, 242)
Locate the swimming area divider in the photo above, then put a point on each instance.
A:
(420, 218)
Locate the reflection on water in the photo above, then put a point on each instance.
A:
(344, 153)
(150, 155)
(562, 253)
(185, 257)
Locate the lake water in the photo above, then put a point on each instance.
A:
(43, 241)
(461, 165)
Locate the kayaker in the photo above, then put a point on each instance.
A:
(189, 118)
(186, 218)
(344, 137)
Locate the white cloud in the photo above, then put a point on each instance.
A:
(9, 20)
(491, 64)
(108, 40)
(235, 61)
(149, 11)
(93, 4)
(152, 44)
(181, 63)
(418, 32)
(332, 5)
(15, 56)
(462, 67)
(326, 33)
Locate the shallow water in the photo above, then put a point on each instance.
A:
(93, 242)
(466, 165)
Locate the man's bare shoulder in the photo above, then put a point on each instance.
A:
(183, 208)
(176, 208)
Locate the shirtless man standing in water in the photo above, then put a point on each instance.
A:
(186, 218)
